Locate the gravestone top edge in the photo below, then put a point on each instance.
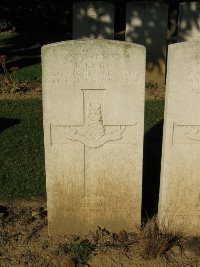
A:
(183, 3)
(94, 41)
(182, 44)
(85, 1)
(146, 2)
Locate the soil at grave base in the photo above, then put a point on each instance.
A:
(24, 241)
(30, 93)
(154, 93)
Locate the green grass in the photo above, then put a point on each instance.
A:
(22, 51)
(154, 112)
(22, 152)
(22, 172)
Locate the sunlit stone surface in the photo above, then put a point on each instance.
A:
(179, 204)
(93, 99)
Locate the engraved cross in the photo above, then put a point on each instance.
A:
(93, 134)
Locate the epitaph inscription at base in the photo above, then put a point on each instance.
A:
(93, 99)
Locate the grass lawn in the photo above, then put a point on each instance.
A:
(22, 51)
(22, 172)
(154, 113)
(22, 152)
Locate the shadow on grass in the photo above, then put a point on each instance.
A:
(151, 170)
(7, 123)
(4, 210)
(22, 62)
(24, 49)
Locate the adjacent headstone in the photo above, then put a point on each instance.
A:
(93, 99)
(146, 24)
(179, 204)
(93, 19)
(189, 22)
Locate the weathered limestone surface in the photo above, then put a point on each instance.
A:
(189, 22)
(179, 204)
(146, 24)
(93, 102)
(93, 19)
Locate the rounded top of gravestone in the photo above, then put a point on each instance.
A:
(188, 2)
(183, 44)
(107, 1)
(98, 42)
(147, 2)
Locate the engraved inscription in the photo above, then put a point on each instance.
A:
(190, 80)
(84, 54)
(92, 204)
(186, 134)
(93, 132)
(105, 77)
(83, 66)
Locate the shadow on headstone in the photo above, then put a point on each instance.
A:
(7, 123)
(189, 22)
(93, 19)
(151, 170)
(173, 13)
(146, 24)
(120, 20)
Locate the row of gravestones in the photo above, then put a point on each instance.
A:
(93, 102)
(146, 24)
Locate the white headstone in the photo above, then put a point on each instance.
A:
(146, 24)
(93, 101)
(189, 22)
(179, 203)
(93, 19)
